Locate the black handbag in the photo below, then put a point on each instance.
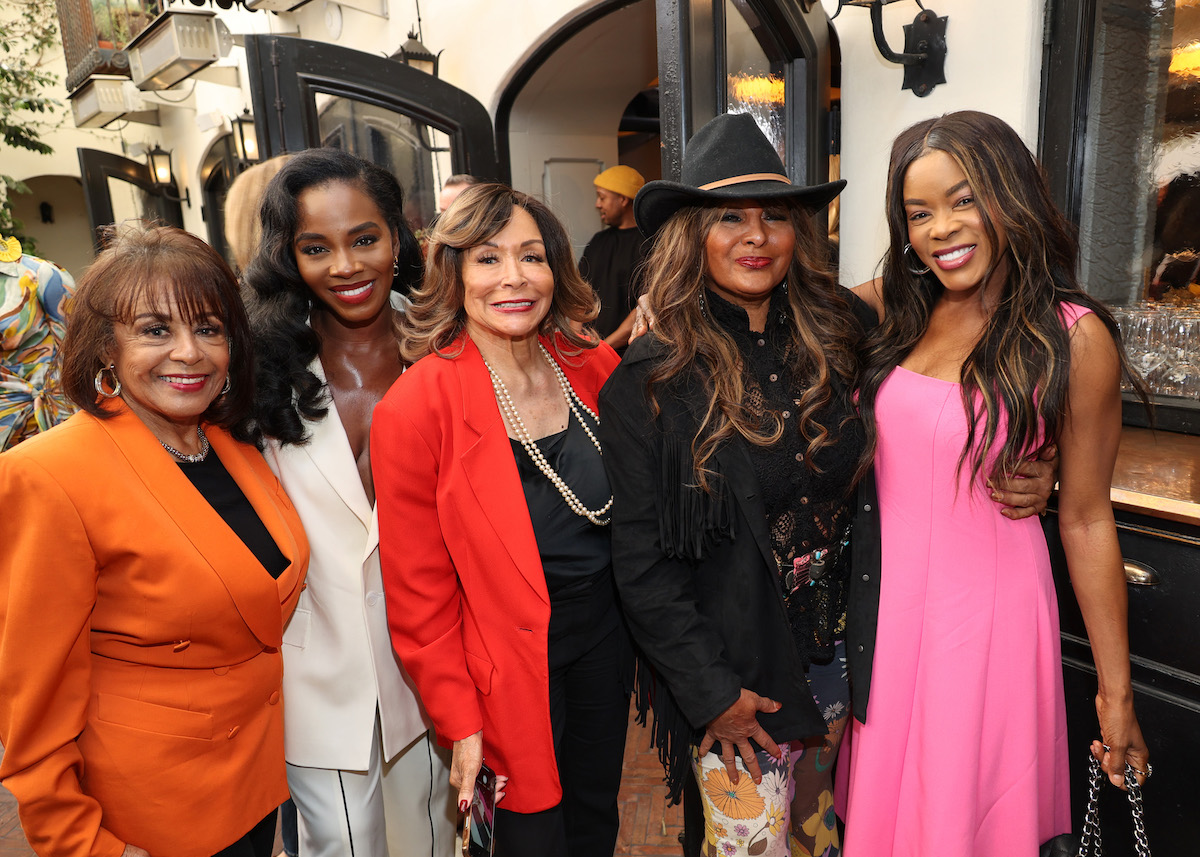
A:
(1088, 844)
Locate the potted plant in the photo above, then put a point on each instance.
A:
(118, 21)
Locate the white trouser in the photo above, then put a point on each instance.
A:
(401, 808)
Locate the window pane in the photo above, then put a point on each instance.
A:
(418, 155)
(1140, 220)
(754, 83)
(130, 202)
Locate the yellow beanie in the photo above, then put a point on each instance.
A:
(620, 179)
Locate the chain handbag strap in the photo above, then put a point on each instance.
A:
(1090, 842)
(1142, 845)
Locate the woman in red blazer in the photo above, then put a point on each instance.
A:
(493, 505)
(149, 563)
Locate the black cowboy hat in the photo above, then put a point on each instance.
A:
(728, 158)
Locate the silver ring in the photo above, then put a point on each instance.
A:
(1146, 773)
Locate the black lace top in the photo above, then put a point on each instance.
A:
(807, 501)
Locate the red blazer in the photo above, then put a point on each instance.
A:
(466, 594)
(139, 644)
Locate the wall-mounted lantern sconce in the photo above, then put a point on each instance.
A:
(245, 139)
(161, 177)
(924, 57)
(415, 54)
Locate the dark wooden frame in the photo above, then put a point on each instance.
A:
(1066, 86)
(286, 73)
(691, 63)
(96, 167)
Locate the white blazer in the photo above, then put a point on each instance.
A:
(338, 663)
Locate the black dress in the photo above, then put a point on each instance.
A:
(589, 656)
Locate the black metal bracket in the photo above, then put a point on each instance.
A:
(924, 57)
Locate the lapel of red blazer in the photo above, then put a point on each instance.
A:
(492, 470)
(258, 598)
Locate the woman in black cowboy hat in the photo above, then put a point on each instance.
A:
(731, 442)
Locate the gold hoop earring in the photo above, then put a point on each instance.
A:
(111, 369)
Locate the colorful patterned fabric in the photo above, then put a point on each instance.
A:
(35, 296)
(790, 813)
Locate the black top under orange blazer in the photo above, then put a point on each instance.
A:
(139, 644)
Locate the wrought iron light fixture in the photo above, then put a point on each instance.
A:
(161, 176)
(924, 56)
(415, 54)
(245, 139)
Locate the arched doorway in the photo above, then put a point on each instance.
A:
(560, 115)
(54, 214)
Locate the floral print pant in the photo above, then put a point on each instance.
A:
(790, 813)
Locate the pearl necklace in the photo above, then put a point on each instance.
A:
(518, 427)
(195, 458)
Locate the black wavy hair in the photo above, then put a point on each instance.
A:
(279, 301)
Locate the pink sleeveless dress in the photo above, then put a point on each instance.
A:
(964, 752)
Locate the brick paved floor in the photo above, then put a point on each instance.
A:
(648, 826)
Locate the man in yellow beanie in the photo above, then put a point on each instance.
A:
(612, 259)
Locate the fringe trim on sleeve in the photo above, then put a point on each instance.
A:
(670, 733)
(692, 521)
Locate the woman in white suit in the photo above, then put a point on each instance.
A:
(364, 772)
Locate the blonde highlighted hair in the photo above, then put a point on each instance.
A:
(243, 228)
(437, 317)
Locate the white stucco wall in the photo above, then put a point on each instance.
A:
(993, 63)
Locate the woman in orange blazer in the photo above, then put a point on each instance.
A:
(495, 553)
(149, 563)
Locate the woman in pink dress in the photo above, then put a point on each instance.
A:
(988, 351)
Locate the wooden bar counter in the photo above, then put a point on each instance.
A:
(1158, 474)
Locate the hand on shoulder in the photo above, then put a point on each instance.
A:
(871, 293)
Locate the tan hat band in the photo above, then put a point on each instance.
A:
(749, 177)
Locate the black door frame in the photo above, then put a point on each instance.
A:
(286, 73)
(97, 167)
(1065, 91)
(692, 86)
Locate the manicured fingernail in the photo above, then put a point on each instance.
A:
(462, 806)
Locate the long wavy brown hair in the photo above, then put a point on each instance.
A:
(1020, 367)
(823, 332)
(437, 316)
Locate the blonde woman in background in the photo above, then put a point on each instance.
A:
(243, 228)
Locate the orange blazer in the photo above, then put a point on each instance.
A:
(139, 644)
(466, 595)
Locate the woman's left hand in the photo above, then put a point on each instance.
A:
(1027, 491)
(643, 318)
(464, 768)
(1122, 742)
